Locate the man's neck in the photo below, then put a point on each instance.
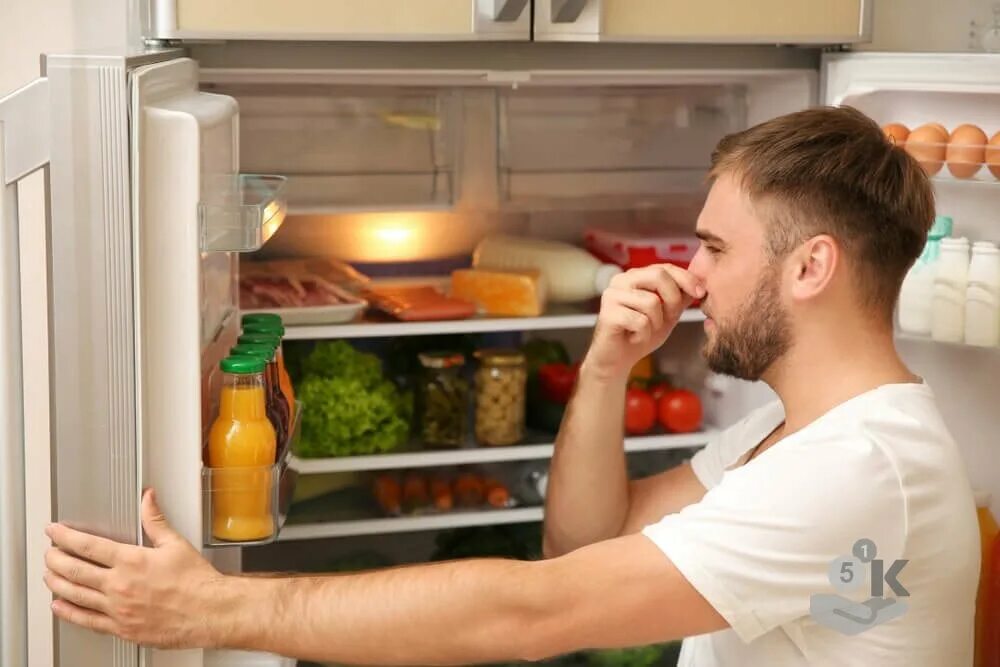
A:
(826, 369)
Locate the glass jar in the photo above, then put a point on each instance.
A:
(500, 389)
(444, 399)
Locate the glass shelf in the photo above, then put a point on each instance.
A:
(240, 212)
(266, 490)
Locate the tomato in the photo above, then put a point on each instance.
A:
(640, 411)
(658, 389)
(680, 411)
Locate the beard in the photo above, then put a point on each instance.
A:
(755, 337)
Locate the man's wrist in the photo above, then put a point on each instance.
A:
(236, 602)
(593, 374)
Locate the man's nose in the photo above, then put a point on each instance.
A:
(699, 264)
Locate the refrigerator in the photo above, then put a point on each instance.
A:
(222, 134)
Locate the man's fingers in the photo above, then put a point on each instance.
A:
(90, 547)
(154, 522)
(75, 570)
(641, 301)
(686, 280)
(78, 595)
(92, 620)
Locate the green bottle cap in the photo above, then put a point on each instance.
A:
(242, 365)
(941, 228)
(271, 339)
(265, 352)
(270, 318)
(276, 328)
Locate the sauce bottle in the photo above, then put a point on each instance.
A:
(988, 532)
(268, 323)
(273, 341)
(991, 626)
(277, 408)
(241, 451)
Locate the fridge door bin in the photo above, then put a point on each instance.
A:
(239, 213)
(248, 506)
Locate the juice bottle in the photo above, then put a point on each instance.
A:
(277, 408)
(991, 626)
(988, 531)
(272, 324)
(241, 451)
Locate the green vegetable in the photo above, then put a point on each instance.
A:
(540, 351)
(642, 656)
(352, 409)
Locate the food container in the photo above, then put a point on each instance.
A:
(500, 397)
(443, 399)
(636, 245)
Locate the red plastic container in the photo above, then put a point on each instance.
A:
(635, 246)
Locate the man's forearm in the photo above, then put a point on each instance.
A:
(587, 499)
(441, 614)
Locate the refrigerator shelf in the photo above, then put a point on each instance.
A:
(928, 340)
(557, 319)
(382, 526)
(268, 490)
(473, 454)
(239, 213)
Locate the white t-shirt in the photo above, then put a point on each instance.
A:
(759, 545)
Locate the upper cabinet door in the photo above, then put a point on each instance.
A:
(342, 20)
(704, 21)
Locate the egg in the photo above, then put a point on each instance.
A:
(993, 156)
(966, 151)
(927, 145)
(896, 133)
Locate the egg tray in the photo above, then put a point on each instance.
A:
(957, 167)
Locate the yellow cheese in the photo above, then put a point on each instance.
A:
(502, 293)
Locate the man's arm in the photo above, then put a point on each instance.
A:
(589, 496)
(621, 592)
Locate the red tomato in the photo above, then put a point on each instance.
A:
(658, 389)
(680, 411)
(640, 411)
(557, 381)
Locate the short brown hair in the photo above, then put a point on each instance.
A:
(830, 170)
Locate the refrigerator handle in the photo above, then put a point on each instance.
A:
(508, 10)
(24, 148)
(567, 11)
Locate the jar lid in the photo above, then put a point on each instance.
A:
(242, 365)
(500, 356)
(441, 359)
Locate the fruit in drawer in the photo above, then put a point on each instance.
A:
(927, 144)
(966, 151)
(993, 155)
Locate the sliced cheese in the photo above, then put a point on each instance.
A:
(501, 293)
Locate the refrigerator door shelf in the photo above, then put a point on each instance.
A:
(270, 488)
(239, 213)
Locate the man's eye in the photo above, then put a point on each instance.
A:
(712, 250)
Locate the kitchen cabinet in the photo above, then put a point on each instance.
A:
(704, 21)
(341, 20)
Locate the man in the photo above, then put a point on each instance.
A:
(810, 225)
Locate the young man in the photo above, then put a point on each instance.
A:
(835, 527)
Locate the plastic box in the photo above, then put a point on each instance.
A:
(635, 246)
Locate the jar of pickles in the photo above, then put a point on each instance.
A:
(500, 389)
(444, 399)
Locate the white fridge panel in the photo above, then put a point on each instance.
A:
(182, 139)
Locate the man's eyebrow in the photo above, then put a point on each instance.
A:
(708, 237)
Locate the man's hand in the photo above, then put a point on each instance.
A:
(160, 596)
(638, 311)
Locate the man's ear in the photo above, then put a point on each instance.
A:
(812, 266)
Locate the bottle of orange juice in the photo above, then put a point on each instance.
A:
(241, 451)
(988, 531)
(270, 324)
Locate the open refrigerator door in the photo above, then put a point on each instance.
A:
(955, 91)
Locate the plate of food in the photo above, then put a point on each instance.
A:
(303, 291)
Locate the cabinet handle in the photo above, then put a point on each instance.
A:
(506, 11)
(567, 11)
